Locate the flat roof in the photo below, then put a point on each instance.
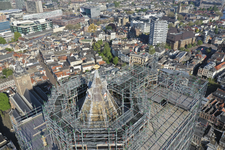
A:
(33, 131)
(165, 126)
(10, 11)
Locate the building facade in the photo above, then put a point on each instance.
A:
(158, 31)
(20, 4)
(22, 79)
(43, 15)
(34, 6)
(177, 39)
(27, 27)
(90, 11)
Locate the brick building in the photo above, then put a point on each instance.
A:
(177, 39)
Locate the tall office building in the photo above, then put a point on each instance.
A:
(5, 4)
(34, 6)
(90, 11)
(20, 4)
(158, 31)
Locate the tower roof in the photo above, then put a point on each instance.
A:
(99, 104)
(19, 70)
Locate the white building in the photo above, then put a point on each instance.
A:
(158, 31)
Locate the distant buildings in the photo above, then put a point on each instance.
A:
(20, 4)
(5, 5)
(43, 15)
(34, 6)
(90, 11)
(158, 31)
(27, 27)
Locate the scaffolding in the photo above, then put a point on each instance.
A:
(155, 110)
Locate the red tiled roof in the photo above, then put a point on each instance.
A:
(220, 66)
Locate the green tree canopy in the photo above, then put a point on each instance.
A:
(2, 40)
(7, 72)
(117, 4)
(115, 60)
(108, 28)
(4, 102)
(9, 49)
(219, 13)
(69, 27)
(151, 50)
(190, 23)
(208, 50)
(170, 14)
(199, 42)
(180, 17)
(16, 36)
(100, 42)
(216, 30)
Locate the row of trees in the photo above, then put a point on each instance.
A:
(16, 37)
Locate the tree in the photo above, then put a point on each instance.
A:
(198, 22)
(108, 28)
(170, 14)
(170, 25)
(219, 13)
(2, 40)
(69, 27)
(117, 4)
(194, 44)
(208, 50)
(167, 46)
(189, 46)
(100, 42)
(115, 60)
(9, 49)
(215, 8)
(16, 36)
(190, 23)
(216, 30)
(7, 72)
(197, 30)
(92, 28)
(77, 26)
(180, 17)
(4, 102)
(124, 64)
(151, 50)
(199, 42)
(96, 46)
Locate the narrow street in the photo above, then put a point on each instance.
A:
(48, 72)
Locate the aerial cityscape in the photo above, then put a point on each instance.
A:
(112, 75)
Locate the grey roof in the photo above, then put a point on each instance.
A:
(41, 93)
(21, 103)
(15, 113)
(30, 131)
(31, 98)
(3, 57)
